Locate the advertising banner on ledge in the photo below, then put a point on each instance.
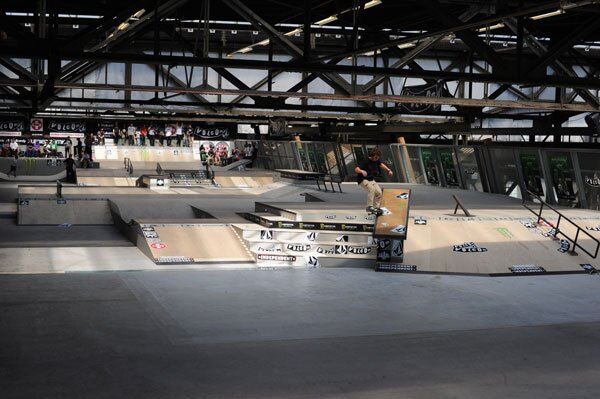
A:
(11, 128)
(66, 128)
(214, 132)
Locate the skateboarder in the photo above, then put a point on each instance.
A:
(366, 172)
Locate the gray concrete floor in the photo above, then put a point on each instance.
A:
(327, 333)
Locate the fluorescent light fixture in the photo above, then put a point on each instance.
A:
(492, 27)
(263, 42)
(548, 14)
(296, 31)
(123, 26)
(139, 13)
(75, 26)
(245, 50)
(327, 20)
(407, 45)
(372, 3)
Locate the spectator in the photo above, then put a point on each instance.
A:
(70, 167)
(53, 148)
(46, 149)
(101, 137)
(89, 139)
(168, 134)
(161, 137)
(152, 135)
(86, 161)
(179, 134)
(137, 138)
(13, 166)
(131, 134)
(68, 145)
(116, 136)
(38, 148)
(14, 146)
(79, 149)
(29, 150)
(143, 134)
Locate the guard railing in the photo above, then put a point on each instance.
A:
(562, 219)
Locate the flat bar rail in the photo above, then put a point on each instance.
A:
(561, 217)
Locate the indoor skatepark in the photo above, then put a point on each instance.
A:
(207, 238)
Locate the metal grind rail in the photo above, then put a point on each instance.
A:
(556, 225)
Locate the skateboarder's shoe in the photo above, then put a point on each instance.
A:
(374, 211)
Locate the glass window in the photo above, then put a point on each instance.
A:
(469, 168)
(532, 173)
(564, 183)
(505, 172)
(448, 164)
(589, 164)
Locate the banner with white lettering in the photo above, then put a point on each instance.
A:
(12, 128)
(64, 128)
(215, 132)
(426, 90)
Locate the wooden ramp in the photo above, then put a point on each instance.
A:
(192, 243)
(488, 247)
(391, 228)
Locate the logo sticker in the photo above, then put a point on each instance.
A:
(469, 247)
(312, 261)
(400, 229)
(421, 221)
(504, 232)
(266, 235)
(403, 196)
(298, 247)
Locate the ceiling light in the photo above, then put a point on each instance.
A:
(234, 32)
(123, 26)
(327, 20)
(407, 45)
(372, 3)
(548, 14)
(295, 32)
(139, 13)
(492, 27)
(255, 32)
(190, 30)
(75, 26)
(245, 50)
(263, 42)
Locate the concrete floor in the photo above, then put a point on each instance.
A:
(327, 333)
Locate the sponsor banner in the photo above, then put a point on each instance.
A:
(425, 90)
(36, 125)
(523, 269)
(65, 135)
(66, 126)
(312, 261)
(174, 259)
(395, 267)
(11, 128)
(277, 258)
(216, 132)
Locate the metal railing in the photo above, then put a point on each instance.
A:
(556, 226)
(128, 165)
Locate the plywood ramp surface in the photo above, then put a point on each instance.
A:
(507, 243)
(393, 225)
(205, 243)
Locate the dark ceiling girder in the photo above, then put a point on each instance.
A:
(299, 66)
(328, 96)
(18, 70)
(467, 36)
(587, 26)
(333, 80)
(538, 9)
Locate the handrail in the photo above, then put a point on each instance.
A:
(557, 228)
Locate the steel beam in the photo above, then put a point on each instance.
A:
(537, 105)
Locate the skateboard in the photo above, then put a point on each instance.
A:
(375, 211)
